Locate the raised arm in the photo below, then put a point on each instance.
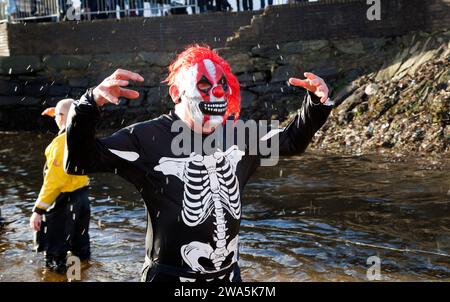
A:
(316, 107)
(84, 153)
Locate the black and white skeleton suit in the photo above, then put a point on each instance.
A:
(193, 201)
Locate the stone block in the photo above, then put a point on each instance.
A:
(20, 64)
(349, 46)
(61, 62)
(8, 87)
(161, 59)
(304, 46)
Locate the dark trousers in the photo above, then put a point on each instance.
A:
(66, 227)
(263, 3)
(247, 4)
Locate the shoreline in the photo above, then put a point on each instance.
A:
(435, 161)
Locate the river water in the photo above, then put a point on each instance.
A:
(318, 217)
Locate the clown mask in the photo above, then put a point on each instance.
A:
(201, 92)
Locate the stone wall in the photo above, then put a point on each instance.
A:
(342, 19)
(439, 12)
(325, 19)
(28, 84)
(32, 81)
(126, 35)
(338, 19)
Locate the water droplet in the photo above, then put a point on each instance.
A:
(281, 172)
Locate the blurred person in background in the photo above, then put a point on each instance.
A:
(247, 4)
(61, 212)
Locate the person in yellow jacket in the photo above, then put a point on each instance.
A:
(61, 212)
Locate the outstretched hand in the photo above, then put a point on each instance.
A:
(110, 90)
(314, 84)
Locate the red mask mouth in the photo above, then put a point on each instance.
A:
(213, 108)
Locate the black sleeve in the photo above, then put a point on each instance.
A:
(295, 138)
(85, 154)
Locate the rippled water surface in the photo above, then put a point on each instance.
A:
(312, 218)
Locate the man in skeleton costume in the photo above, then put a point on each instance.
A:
(193, 201)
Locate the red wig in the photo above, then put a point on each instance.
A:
(195, 54)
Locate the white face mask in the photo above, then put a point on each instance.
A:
(204, 88)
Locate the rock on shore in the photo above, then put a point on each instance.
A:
(402, 108)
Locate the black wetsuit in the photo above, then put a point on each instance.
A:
(193, 201)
